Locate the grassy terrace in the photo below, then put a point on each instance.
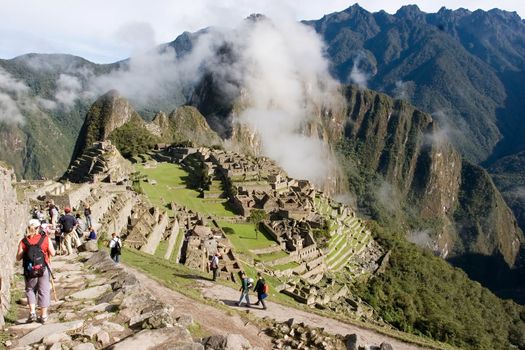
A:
(244, 237)
(171, 186)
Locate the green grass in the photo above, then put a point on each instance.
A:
(171, 187)
(290, 265)
(161, 249)
(243, 237)
(272, 256)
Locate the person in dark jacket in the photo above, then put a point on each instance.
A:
(259, 288)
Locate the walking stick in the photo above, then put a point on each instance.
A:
(51, 279)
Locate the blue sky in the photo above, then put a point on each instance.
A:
(105, 31)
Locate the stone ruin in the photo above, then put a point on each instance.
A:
(102, 162)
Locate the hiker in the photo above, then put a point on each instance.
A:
(59, 241)
(261, 287)
(87, 214)
(35, 250)
(38, 214)
(92, 236)
(68, 225)
(53, 212)
(246, 285)
(214, 265)
(115, 247)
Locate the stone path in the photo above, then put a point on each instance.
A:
(102, 306)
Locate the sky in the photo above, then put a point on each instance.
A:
(105, 31)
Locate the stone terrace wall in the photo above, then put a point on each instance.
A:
(13, 217)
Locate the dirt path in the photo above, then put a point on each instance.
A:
(213, 319)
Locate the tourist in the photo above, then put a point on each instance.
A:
(87, 214)
(261, 287)
(68, 224)
(35, 250)
(115, 247)
(59, 241)
(214, 265)
(53, 212)
(246, 285)
(92, 236)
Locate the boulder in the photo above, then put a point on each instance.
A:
(354, 342)
(103, 338)
(88, 246)
(237, 342)
(185, 320)
(385, 346)
(83, 346)
(55, 338)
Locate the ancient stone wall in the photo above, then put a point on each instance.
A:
(13, 217)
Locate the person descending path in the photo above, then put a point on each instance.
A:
(261, 287)
(246, 285)
(214, 265)
(35, 250)
(115, 247)
(68, 224)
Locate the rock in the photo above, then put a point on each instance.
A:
(56, 346)
(8, 343)
(103, 338)
(158, 320)
(55, 338)
(185, 320)
(193, 346)
(154, 339)
(214, 342)
(24, 327)
(91, 331)
(103, 316)
(354, 342)
(89, 246)
(91, 293)
(39, 333)
(237, 342)
(98, 308)
(83, 346)
(385, 346)
(112, 327)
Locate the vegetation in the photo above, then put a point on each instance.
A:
(133, 138)
(243, 237)
(256, 217)
(422, 294)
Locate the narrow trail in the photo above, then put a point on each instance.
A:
(214, 320)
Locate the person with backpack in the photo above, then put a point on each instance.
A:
(68, 224)
(35, 250)
(214, 265)
(246, 285)
(115, 247)
(261, 287)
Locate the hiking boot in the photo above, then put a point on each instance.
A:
(42, 319)
(31, 318)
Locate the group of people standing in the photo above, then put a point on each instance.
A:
(68, 230)
(37, 247)
(261, 288)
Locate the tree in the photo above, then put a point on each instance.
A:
(256, 217)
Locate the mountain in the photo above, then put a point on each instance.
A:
(407, 176)
(466, 68)
(41, 129)
(112, 117)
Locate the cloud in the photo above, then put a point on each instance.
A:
(69, 89)
(358, 76)
(11, 91)
(138, 36)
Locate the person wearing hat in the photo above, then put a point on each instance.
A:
(35, 250)
(68, 224)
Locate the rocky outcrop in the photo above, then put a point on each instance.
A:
(13, 217)
(421, 169)
(108, 113)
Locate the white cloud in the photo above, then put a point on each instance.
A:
(68, 89)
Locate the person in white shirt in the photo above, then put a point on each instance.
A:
(214, 265)
(115, 246)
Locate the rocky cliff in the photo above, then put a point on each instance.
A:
(13, 217)
(424, 177)
(108, 113)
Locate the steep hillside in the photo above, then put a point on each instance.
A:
(462, 66)
(41, 128)
(404, 172)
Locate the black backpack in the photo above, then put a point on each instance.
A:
(117, 248)
(34, 259)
